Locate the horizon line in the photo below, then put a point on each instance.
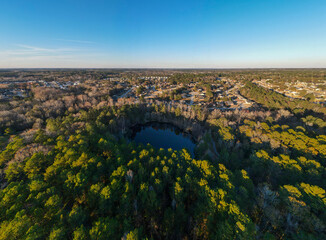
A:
(162, 68)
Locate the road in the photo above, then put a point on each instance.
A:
(124, 94)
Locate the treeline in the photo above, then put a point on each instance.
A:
(75, 179)
(46, 103)
(66, 171)
(274, 100)
(84, 184)
(187, 78)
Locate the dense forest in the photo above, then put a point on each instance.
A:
(67, 170)
(276, 100)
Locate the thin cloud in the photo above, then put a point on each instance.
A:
(45, 50)
(75, 41)
(30, 51)
(31, 55)
(42, 57)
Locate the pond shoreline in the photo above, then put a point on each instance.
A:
(188, 133)
(162, 135)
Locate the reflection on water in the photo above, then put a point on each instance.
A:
(163, 135)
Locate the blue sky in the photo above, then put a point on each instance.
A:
(181, 34)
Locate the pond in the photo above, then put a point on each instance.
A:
(163, 135)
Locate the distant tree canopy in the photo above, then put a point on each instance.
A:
(274, 100)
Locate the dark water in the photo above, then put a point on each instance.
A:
(163, 135)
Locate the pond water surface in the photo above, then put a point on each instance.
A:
(163, 135)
